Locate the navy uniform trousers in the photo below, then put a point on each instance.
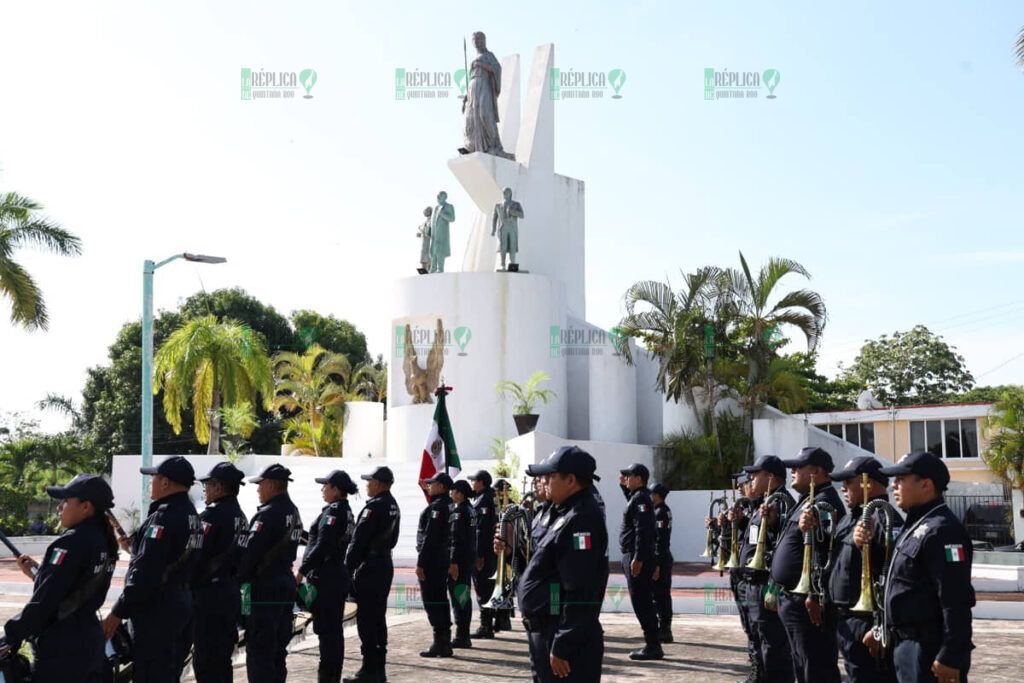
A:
(769, 635)
(641, 595)
(371, 586)
(815, 655)
(460, 592)
(434, 591)
(216, 631)
(584, 669)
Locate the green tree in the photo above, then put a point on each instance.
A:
(312, 388)
(21, 225)
(210, 364)
(15, 458)
(910, 367)
(823, 394)
(1005, 431)
(326, 331)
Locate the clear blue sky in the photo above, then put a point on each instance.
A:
(890, 163)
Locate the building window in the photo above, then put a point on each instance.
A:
(859, 434)
(945, 438)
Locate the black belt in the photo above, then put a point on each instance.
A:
(538, 623)
(917, 631)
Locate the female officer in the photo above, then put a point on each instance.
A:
(70, 585)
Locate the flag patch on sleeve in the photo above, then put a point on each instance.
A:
(955, 553)
(661, 524)
(256, 527)
(641, 508)
(329, 521)
(436, 514)
(155, 531)
(581, 540)
(58, 556)
(206, 528)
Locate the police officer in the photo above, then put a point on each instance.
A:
(324, 572)
(215, 584)
(461, 559)
(433, 559)
(369, 563)
(768, 645)
(561, 591)
(265, 572)
(735, 574)
(812, 638)
(156, 596)
(69, 587)
(662, 576)
(486, 561)
(928, 592)
(844, 581)
(637, 541)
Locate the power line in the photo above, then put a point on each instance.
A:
(1004, 363)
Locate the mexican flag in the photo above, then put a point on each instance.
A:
(440, 451)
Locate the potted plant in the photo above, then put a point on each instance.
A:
(525, 397)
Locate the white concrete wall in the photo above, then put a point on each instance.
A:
(612, 397)
(510, 316)
(364, 429)
(649, 401)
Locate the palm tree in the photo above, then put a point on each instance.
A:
(21, 226)
(313, 387)
(15, 458)
(211, 364)
(761, 313)
(1005, 430)
(673, 327)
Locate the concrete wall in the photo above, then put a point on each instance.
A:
(649, 402)
(364, 429)
(613, 399)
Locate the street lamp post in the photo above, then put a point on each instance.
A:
(148, 268)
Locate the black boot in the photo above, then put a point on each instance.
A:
(486, 629)
(442, 646)
(503, 620)
(665, 632)
(328, 675)
(651, 650)
(366, 674)
(462, 636)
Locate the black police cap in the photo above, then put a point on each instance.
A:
(661, 490)
(463, 487)
(275, 472)
(924, 465)
(771, 464)
(382, 474)
(340, 480)
(88, 487)
(569, 460)
(175, 468)
(482, 475)
(225, 472)
(862, 464)
(637, 470)
(441, 478)
(812, 455)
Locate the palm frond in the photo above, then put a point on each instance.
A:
(26, 299)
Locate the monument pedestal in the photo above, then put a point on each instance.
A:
(495, 327)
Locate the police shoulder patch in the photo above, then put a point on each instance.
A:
(58, 556)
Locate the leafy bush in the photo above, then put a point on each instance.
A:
(688, 461)
(15, 521)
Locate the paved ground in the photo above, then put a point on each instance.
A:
(707, 648)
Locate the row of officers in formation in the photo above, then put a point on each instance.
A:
(809, 579)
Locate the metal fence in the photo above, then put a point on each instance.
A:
(987, 518)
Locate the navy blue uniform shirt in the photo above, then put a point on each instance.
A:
(486, 520)
(165, 551)
(78, 560)
(845, 579)
(376, 532)
(329, 536)
(663, 533)
(433, 535)
(224, 530)
(463, 530)
(928, 584)
(568, 573)
(636, 536)
(272, 542)
(787, 565)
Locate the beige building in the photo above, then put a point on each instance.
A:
(955, 432)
